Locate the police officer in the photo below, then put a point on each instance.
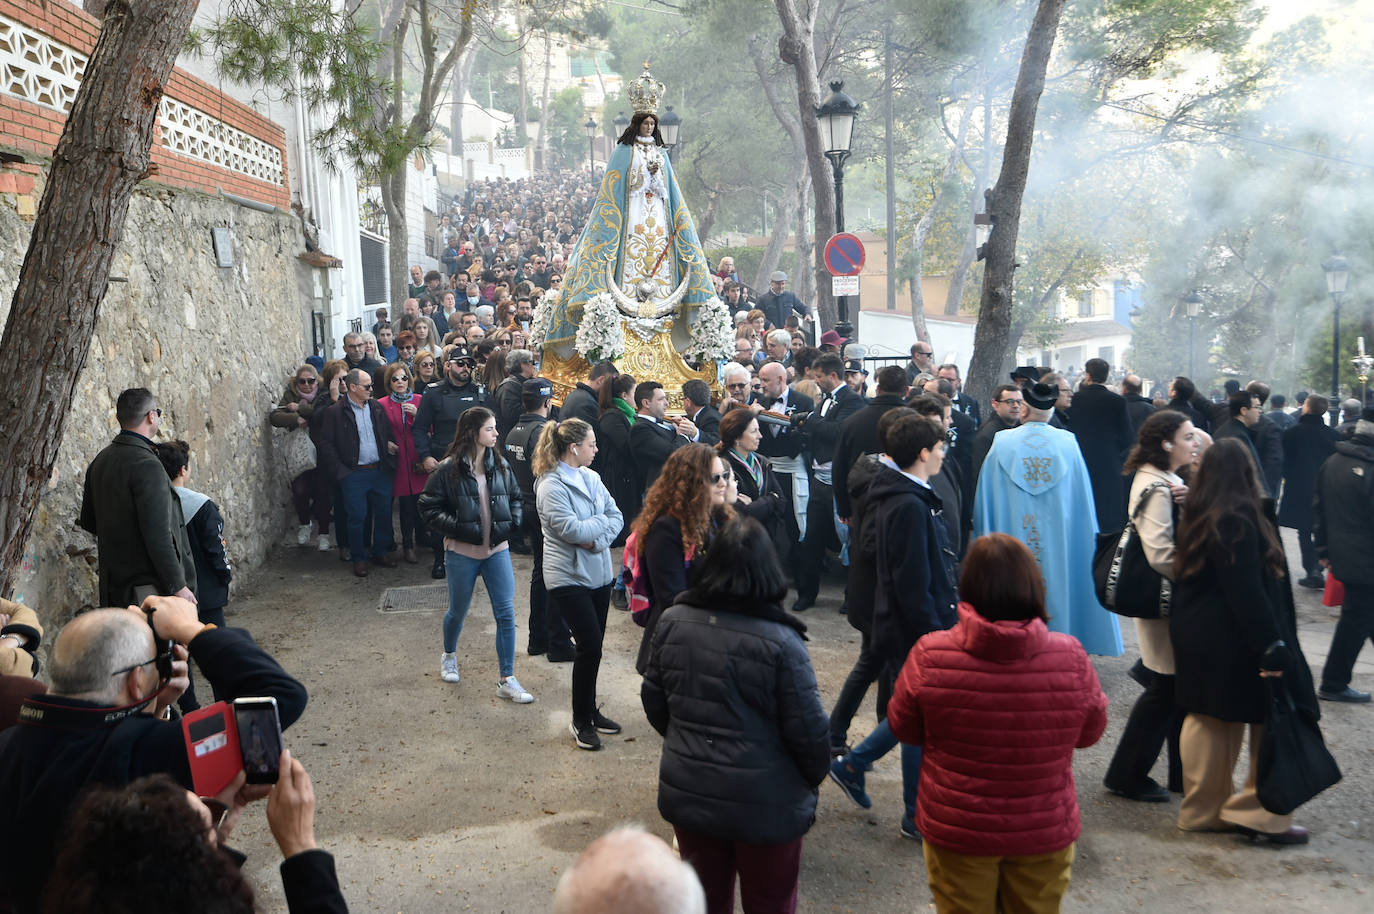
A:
(437, 420)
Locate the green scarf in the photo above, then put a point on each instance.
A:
(625, 408)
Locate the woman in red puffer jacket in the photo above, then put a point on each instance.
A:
(999, 703)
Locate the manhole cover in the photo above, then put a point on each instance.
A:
(426, 598)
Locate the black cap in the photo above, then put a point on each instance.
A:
(460, 353)
(537, 386)
(1029, 372)
(856, 366)
(1041, 395)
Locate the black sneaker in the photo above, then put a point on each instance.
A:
(1313, 581)
(585, 736)
(604, 724)
(1347, 694)
(620, 599)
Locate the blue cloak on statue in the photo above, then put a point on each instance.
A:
(1034, 486)
(632, 237)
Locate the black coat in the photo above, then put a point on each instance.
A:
(1305, 448)
(449, 502)
(1343, 512)
(767, 503)
(962, 433)
(1200, 421)
(915, 587)
(44, 769)
(437, 418)
(863, 557)
(205, 533)
(1103, 429)
(746, 740)
(707, 421)
(507, 404)
(651, 444)
(129, 504)
(776, 308)
(1268, 438)
(1234, 428)
(858, 436)
(1222, 620)
(618, 473)
(827, 420)
(982, 443)
(970, 407)
(337, 446)
(524, 438)
(1138, 408)
(581, 403)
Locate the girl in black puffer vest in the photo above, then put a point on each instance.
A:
(473, 501)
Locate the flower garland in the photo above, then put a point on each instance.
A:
(542, 319)
(599, 334)
(713, 336)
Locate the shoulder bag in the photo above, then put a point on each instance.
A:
(298, 451)
(1293, 764)
(1124, 580)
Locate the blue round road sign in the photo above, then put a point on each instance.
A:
(844, 255)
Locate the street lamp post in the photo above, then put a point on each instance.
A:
(1193, 302)
(590, 127)
(1337, 273)
(836, 118)
(668, 126)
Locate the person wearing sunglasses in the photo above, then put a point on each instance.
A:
(310, 492)
(358, 448)
(113, 673)
(401, 404)
(682, 511)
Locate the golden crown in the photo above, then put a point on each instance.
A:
(645, 92)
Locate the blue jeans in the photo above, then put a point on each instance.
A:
(363, 489)
(499, 577)
(878, 744)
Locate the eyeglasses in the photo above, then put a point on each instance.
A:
(718, 478)
(363, 386)
(1009, 401)
(424, 364)
(740, 386)
(399, 377)
(306, 381)
(407, 348)
(163, 658)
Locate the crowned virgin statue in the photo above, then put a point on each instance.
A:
(637, 289)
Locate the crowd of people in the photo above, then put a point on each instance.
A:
(962, 542)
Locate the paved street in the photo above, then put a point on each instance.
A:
(436, 797)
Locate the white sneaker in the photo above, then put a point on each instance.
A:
(324, 542)
(303, 535)
(448, 666)
(513, 690)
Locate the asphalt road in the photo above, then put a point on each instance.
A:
(437, 797)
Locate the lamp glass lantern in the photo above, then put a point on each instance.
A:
(836, 119)
(1337, 274)
(1193, 302)
(621, 122)
(590, 127)
(669, 125)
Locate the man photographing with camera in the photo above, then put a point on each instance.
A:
(115, 673)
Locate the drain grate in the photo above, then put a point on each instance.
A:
(426, 598)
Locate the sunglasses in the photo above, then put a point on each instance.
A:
(306, 381)
(718, 478)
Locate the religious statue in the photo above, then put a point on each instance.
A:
(637, 289)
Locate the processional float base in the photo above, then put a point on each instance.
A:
(655, 360)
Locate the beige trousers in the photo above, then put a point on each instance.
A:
(1210, 749)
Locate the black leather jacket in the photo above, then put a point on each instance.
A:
(449, 502)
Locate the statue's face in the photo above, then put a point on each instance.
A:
(648, 125)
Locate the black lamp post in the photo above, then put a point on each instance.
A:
(1193, 302)
(1337, 273)
(590, 127)
(668, 126)
(836, 119)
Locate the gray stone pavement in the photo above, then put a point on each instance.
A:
(442, 798)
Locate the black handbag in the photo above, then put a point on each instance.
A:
(1124, 580)
(1293, 764)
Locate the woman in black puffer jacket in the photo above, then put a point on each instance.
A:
(472, 500)
(730, 686)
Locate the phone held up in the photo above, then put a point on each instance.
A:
(260, 743)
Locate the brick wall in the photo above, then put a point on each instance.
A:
(33, 129)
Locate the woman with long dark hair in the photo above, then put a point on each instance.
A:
(682, 510)
(760, 494)
(1166, 445)
(746, 741)
(1232, 626)
(472, 500)
(579, 519)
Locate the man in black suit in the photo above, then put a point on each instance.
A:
(582, 401)
(822, 426)
(1103, 429)
(652, 437)
(1007, 408)
(1305, 448)
(358, 449)
(1181, 393)
(1268, 440)
(696, 401)
(859, 435)
(962, 431)
(960, 400)
(782, 445)
(1244, 409)
(1138, 407)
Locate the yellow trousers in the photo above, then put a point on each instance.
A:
(968, 884)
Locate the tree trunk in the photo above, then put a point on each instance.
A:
(991, 338)
(955, 297)
(462, 79)
(522, 114)
(541, 145)
(100, 158)
(927, 220)
(398, 237)
(782, 227)
(804, 285)
(797, 47)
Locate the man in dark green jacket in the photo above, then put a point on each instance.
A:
(128, 503)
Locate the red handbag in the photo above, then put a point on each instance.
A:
(1334, 592)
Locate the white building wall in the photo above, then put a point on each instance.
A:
(893, 335)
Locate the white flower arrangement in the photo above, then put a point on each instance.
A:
(713, 337)
(599, 333)
(542, 318)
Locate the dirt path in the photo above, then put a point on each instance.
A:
(435, 797)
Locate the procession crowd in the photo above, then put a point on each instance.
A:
(967, 542)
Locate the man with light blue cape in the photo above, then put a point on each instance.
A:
(1034, 486)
